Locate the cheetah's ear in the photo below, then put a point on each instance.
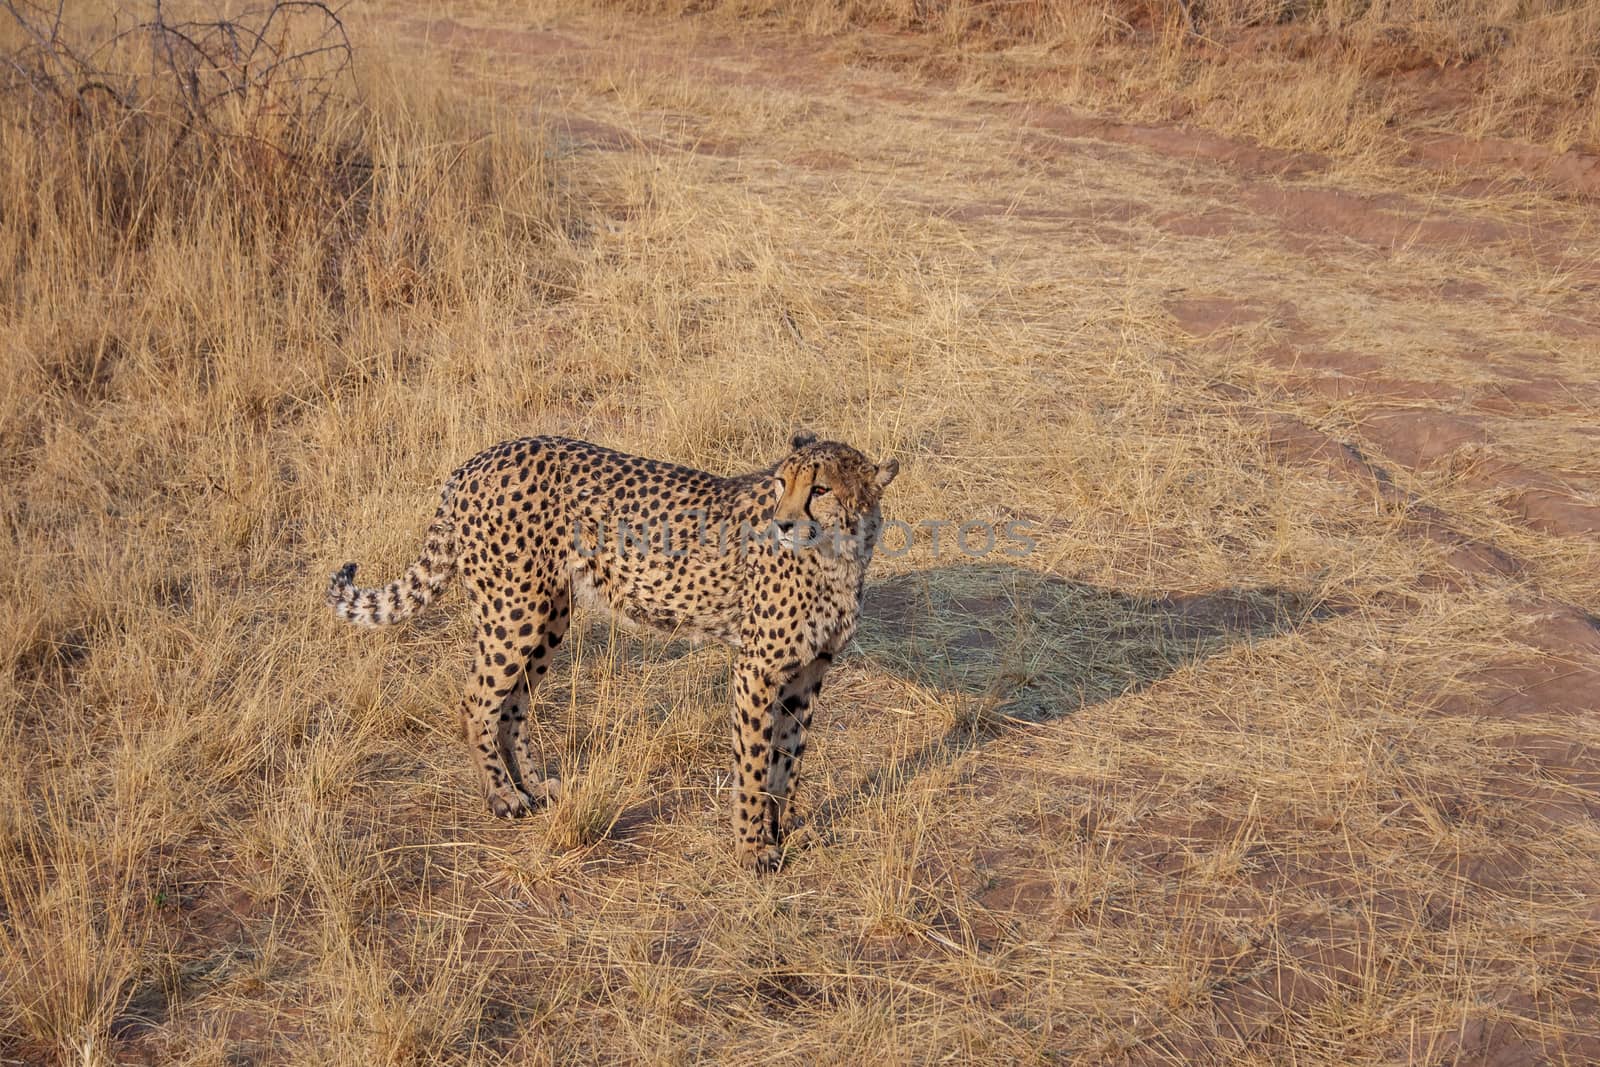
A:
(801, 439)
(886, 472)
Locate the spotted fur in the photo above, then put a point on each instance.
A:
(771, 563)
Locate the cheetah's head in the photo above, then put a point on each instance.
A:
(827, 490)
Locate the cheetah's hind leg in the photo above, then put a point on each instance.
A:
(513, 739)
(514, 736)
(515, 742)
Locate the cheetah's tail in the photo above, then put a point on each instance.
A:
(404, 597)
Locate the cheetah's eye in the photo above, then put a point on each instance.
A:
(819, 490)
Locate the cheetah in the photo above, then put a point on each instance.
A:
(772, 564)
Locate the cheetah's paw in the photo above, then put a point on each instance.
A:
(762, 859)
(510, 803)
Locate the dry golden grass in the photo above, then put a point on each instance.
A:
(1216, 774)
(1349, 77)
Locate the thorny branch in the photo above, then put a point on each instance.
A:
(278, 65)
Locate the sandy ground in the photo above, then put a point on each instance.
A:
(1427, 339)
(1430, 335)
(1377, 307)
(1282, 747)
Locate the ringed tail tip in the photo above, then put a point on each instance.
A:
(342, 581)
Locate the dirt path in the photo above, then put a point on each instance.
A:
(1435, 340)
(1451, 334)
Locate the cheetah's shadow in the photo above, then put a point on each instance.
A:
(1012, 647)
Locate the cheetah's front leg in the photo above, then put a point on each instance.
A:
(754, 690)
(792, 718)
